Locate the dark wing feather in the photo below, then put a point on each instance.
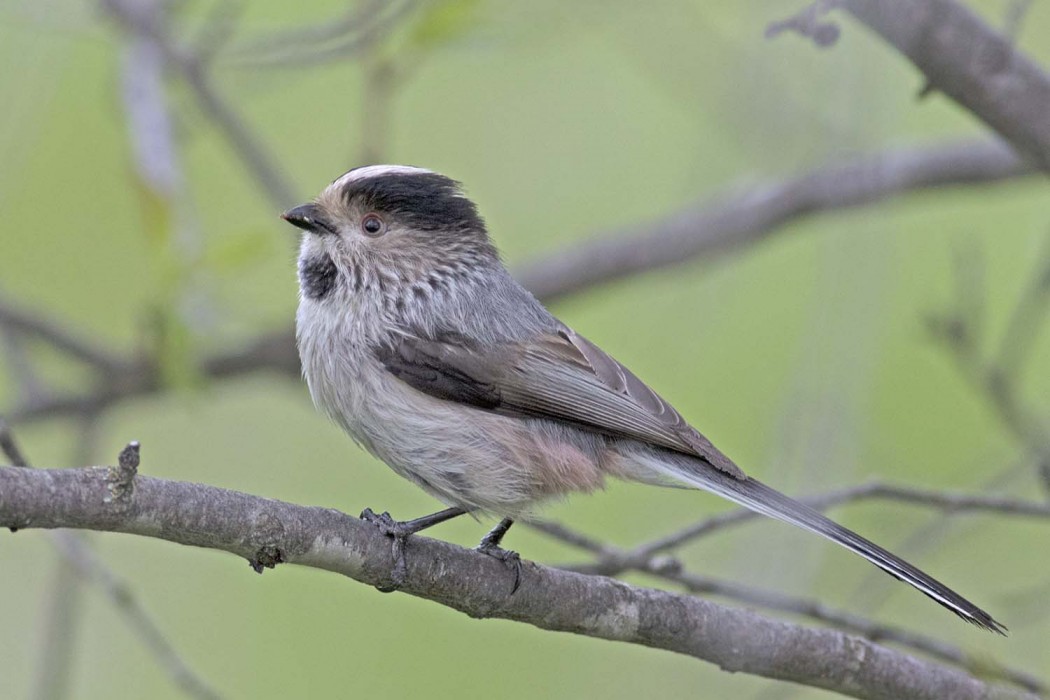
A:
(559, 376)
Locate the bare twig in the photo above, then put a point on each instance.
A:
(269, 353)
(996, 379)
(931, 535)
(1027, 319)
(56, 335)
(9, 446)
(670, 569)
(63, 599)
(927, 498)
(1016, 11)
(350, 35)
(380, 80)
(21, 369)
(245, 525)
(737, 218)
(89, 566)
(138, 19)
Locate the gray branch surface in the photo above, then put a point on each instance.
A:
(267, 532)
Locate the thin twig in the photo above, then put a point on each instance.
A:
(257, 160)
(942, 500)
(58, 336)
(670, 569)
(996, 381)
(21, 369)
(63, 598)
(91, 568)
(1027, 319)
(339, 39)
(9, 446)
(930, 536)
(79, 555)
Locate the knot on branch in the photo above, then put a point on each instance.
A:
(120, 480)
(267, 535)
(266, 557)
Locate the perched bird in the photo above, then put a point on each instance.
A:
(416, 340)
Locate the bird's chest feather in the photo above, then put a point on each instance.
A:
(334, 333)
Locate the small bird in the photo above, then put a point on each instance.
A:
(416, 340)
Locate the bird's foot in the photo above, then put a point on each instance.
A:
(490, 545)
(399, 532)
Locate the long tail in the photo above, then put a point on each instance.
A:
(762, 499)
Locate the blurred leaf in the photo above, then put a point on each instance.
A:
(171, 338)
(174, 349)
(443, 22)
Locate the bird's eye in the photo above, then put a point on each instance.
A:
(373, 225)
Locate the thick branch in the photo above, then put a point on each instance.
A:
(267, 532)
(976, 66)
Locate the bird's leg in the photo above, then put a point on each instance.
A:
(399, 531)
(490, 546)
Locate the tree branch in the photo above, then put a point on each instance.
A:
(736, 218)
(142, 22)
(727, 223)
(32, 324)
(970, 62)
(85, 562)
(960, 56)
(953, 502)
(671, 569)
(267, 532)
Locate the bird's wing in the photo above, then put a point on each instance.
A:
(560, 376)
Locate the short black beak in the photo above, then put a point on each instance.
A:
(308, 217)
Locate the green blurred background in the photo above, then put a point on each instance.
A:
(805, 357)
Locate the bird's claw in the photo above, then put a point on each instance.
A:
(508, 557)
(397, 531)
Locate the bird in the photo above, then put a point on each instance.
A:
(417, 341)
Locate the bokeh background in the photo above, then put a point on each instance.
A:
(807, 357)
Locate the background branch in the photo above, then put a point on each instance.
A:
(736, 218)
(972, 63)
(670, 569)
(82, 560)
(727, 222)
(141, 20)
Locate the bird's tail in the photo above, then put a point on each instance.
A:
(756, 496)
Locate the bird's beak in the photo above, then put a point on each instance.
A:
(309, 217)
